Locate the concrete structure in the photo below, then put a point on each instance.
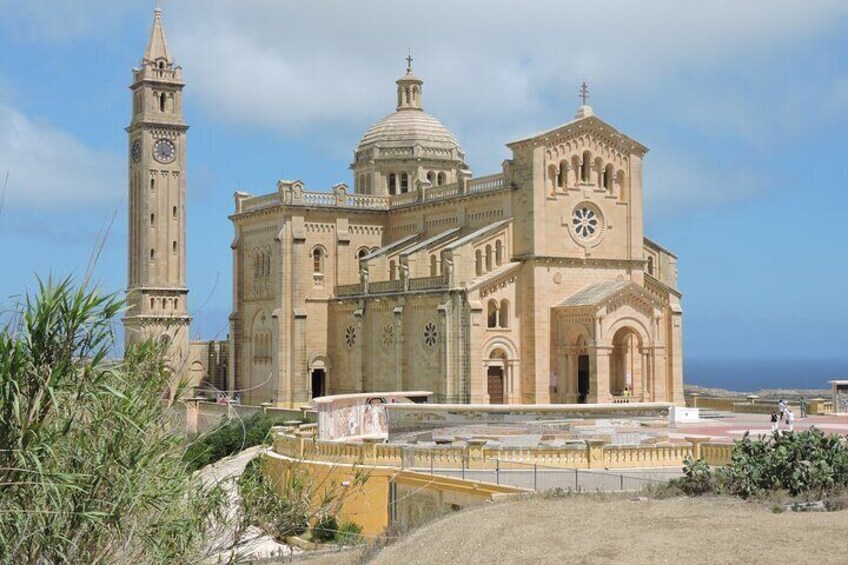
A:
(532, 285)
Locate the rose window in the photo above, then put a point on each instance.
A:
(585, 222)
(431, 334)
(350, 336)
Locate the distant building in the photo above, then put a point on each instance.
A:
(531, 285)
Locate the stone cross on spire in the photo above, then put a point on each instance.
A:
(584, 92)
(409, 62)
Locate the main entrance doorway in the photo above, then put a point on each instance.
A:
(582, 378)
(318, 383)
(496, 385)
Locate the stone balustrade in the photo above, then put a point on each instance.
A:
(339, 198)
(428, 283)
(475, 454)
(380, 287)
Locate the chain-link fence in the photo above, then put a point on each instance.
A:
(542, 478)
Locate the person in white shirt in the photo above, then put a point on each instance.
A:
(790, 419)
(782, 407)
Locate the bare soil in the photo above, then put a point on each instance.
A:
(613, 529)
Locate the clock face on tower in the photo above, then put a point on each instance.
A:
(164, 151)
(136, 151)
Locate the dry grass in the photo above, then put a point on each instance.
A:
(599, 530)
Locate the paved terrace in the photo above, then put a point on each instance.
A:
(725, 430)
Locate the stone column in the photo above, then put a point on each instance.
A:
(600, 372)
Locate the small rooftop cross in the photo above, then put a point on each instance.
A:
(409, 62)
(584, 92)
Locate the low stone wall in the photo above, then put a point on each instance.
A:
(388, 496)
(200, 417)
(745, 405)
(404, 418)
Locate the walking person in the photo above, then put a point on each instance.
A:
(803, 405)
(782, 407)
(773, 423)
(790, 419)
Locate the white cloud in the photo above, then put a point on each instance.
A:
(488, 65)
(50, 168)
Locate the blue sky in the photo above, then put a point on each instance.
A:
(742, 104)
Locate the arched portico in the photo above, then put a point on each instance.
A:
(607, 337)
(500, 371)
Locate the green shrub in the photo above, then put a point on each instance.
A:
(91, 468)
(228, 438)
(350, 533)
(797, 462)
(325, 529)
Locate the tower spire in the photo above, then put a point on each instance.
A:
(409, 88)
(157, 47)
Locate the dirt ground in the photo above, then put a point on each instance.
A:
(600, 530)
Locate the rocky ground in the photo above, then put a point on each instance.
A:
(765, 394)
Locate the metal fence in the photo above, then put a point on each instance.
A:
(543, 478)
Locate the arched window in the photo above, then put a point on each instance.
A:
(363, 251)
(599, 172)
(318, 260)
(492, 314)
(503, 314)
(161, 64)
(173, 246)
(478, 262)
(562, 173)
(585, 166)
(431, 177)
(152, 184)
(434, 266)
(488, 258)
(623, 189)
(441, 179)
(174, 212)
(152, 303)
(152, 254)
(392, 270)
(392, 184)
(650, 265)
(152, 219)
(162, 99)
(176, 303)
(498, 253)
(609, 177)
(407, 95)
(404, 182)
(267, 263)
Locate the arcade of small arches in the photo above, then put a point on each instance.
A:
(487, 258)
(587, 169)
(159, 304)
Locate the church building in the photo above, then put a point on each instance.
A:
(533, 284)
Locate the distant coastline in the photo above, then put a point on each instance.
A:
(739, 376)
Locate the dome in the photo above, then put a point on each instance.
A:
(408, 128)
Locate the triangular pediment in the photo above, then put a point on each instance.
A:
(581, 128)
(610, 295)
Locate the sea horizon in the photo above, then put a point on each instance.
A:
(744, 375)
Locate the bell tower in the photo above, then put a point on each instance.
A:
(156, 285)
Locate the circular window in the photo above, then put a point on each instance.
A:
(587, 223)
(350, 336)
(431, 334)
